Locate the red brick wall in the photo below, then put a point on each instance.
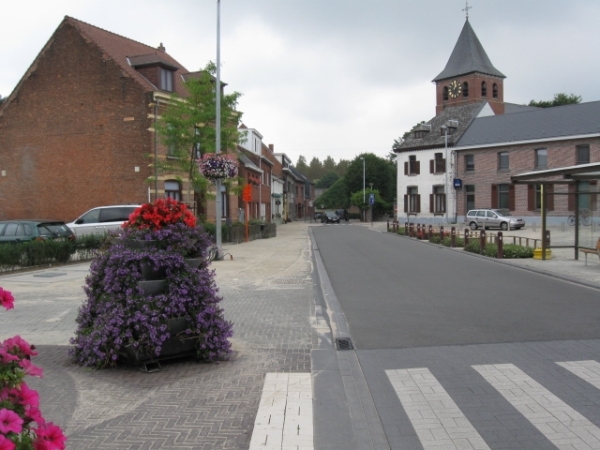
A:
(73, 134)
(521, 160)
(475, 95)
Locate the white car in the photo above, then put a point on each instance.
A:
(103, 219)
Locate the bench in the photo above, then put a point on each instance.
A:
(587, 251)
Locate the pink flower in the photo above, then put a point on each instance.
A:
(6, 444)
(31, 369)
(26, 396)
(10, 422)
(6, 357)
(33, 413)
(6, 299)
(19, 346)
(49, 437)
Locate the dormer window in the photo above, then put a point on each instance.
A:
(421, 130)
(166, 80)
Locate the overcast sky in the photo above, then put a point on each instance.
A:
(335, 77)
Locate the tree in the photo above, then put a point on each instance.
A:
(315, 169)
(559, 100)
(327, 180)
(329, 165)
(378, 171)
(187, 127)
(333, 198)
(380, 206)
(342, 167)
(301, 165)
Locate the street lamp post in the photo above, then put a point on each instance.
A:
(364, 192)
(218, 240)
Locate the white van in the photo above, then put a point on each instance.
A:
(103, 219)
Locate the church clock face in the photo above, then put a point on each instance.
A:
(454, 89)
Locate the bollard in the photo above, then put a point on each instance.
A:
(388, 226)
(430, 231)
(500, 245)
(406, 228)
(424, 231)
(441, 233)
(418, 231)
(411, 227)
(481, 241)
(452, 237)
(466, 237)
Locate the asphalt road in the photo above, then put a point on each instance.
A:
(399, 293)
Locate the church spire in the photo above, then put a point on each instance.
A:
(466, 9)
(468, 56)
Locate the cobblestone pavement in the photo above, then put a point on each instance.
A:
(268, 295)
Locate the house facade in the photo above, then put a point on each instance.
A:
(78, 129)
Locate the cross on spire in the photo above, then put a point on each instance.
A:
(467, 8)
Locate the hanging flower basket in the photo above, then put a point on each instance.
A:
(217, 166)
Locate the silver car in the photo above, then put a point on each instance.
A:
(493, 218)
(103, 219)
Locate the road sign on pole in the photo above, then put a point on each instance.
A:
(371, 199)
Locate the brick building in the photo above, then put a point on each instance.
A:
(76, 132)
(465, 156)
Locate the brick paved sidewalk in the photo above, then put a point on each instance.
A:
(268, 295)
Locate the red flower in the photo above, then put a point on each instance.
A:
(164, 211)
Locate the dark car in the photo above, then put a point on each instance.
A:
(330, 217)
(31, 229)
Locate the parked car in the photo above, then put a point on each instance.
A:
(493, 218)
(32, 229)
(103, 219)
(330, 217)
(318, 216)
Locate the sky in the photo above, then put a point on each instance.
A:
(335, 77)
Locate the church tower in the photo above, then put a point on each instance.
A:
(469, 76)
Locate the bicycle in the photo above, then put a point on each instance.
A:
(584, 218)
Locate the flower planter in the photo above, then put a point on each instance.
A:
(139, 244)
(150, 273)
(193, 263)
(179, 345)
(152, 287)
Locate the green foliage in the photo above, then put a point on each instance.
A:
(327, 180)
(187, 126)
(333, 198)
(35, 253)
(559, 100)
(517, 251)
(378, 171)
(380, 204)
(301, 166)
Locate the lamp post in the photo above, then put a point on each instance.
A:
(364, 193)
(219, 253)
(445, 128)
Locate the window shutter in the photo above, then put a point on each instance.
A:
(418, 172)
(571, 198)
(511, 197)
(494, 196)
(431, 166)
(530, 197)
(431, 203)
(419, 203)
(406, 168)
(406, 203)
(594, 196)
(549, 197)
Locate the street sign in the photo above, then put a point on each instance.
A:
(371, 199)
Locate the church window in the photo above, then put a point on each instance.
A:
(495, 90)
(445, 93)
(465, 89)
(483, 89)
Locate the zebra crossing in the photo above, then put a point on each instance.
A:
(440, 424)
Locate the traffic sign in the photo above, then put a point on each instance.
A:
(371, 199)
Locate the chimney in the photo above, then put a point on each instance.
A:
(272, 148)
(161, 47)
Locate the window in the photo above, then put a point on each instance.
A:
(465, 89)
(541, 158)
(438, 164)
(495, 90)
(166, 79)
(503, 196)
(503, 161)
(534, 197)
(483, 89)
(412, 166)
(173, 190)
(469, 163)
(171, 151)
(412, 200)
(438, 200)
(583, 154)
(445, 93)
(470, 197)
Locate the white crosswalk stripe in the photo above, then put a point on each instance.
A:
(437, 420)
(562, 425)
(284, 418)
(586, 370)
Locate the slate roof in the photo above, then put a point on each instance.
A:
(464, 114)
(540, 123)
(118, 48)
(468, 56)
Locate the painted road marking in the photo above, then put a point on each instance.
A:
(437, 420)
(586, 370)
(561, 424)
(285, 416)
